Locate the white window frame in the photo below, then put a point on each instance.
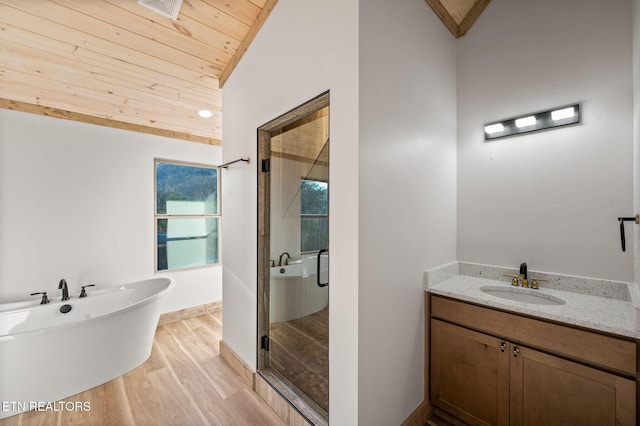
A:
(157, 217)
(312, 216)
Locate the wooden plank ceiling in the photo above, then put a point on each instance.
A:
(304, 140)
(117, 63)
(120, 64)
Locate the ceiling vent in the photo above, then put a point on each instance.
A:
(169, 8)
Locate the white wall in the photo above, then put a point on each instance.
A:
(552, 198)
(304, 49)
(636, 130)
(407, 195)
(285, 206)
(76, 202)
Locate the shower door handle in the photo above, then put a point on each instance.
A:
(318, 263)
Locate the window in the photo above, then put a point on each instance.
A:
(187, 215)
(314, 215)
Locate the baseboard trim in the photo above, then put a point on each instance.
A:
(274, 400)
(239, 366)
(182, 314)
(440, 418)
(420, 415)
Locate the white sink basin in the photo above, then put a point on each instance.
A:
(522, 295)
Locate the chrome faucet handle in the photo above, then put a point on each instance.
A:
(45, 299)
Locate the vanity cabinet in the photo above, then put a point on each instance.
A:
(490, 367)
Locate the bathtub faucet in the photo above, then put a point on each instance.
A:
(65, 291)
(286, 261)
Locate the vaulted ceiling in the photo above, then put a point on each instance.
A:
(120, 64)
(458, 15)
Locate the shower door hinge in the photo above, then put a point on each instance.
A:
(264, 343)
(266, 165)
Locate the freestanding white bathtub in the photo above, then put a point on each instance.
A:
(294, 292)
(47, 355)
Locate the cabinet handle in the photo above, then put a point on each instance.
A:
(516, 351)
(503, 346)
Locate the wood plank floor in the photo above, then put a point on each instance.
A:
(300, 352)
(184, 382)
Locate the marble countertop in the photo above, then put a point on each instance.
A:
(616, 315)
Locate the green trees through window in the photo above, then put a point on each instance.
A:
(186, 214)
(314, 215)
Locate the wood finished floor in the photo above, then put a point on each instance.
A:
(185, 382)
(300, 351)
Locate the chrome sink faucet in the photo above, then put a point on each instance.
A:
(286, 260)
(65, 291)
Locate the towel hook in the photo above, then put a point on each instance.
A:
(622, 220)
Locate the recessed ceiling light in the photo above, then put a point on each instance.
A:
(205, 113)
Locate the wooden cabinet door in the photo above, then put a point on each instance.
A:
(469, 374)
(547, 390)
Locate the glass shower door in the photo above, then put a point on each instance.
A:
(295, 317)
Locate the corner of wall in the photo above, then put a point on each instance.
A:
(636, 132)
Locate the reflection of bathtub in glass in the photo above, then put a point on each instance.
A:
(294, 291)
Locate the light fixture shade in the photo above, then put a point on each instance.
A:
(494, 128)
(205, 113)
(564, 113)
(527, 123)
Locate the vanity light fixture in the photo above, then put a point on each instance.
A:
(526, 123)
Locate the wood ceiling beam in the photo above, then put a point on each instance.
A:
(262, 17)
(85, 118)
(472, 16)
(447, 10)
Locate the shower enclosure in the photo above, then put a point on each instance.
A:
(293, 256)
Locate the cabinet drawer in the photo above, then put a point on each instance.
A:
(601, 350)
